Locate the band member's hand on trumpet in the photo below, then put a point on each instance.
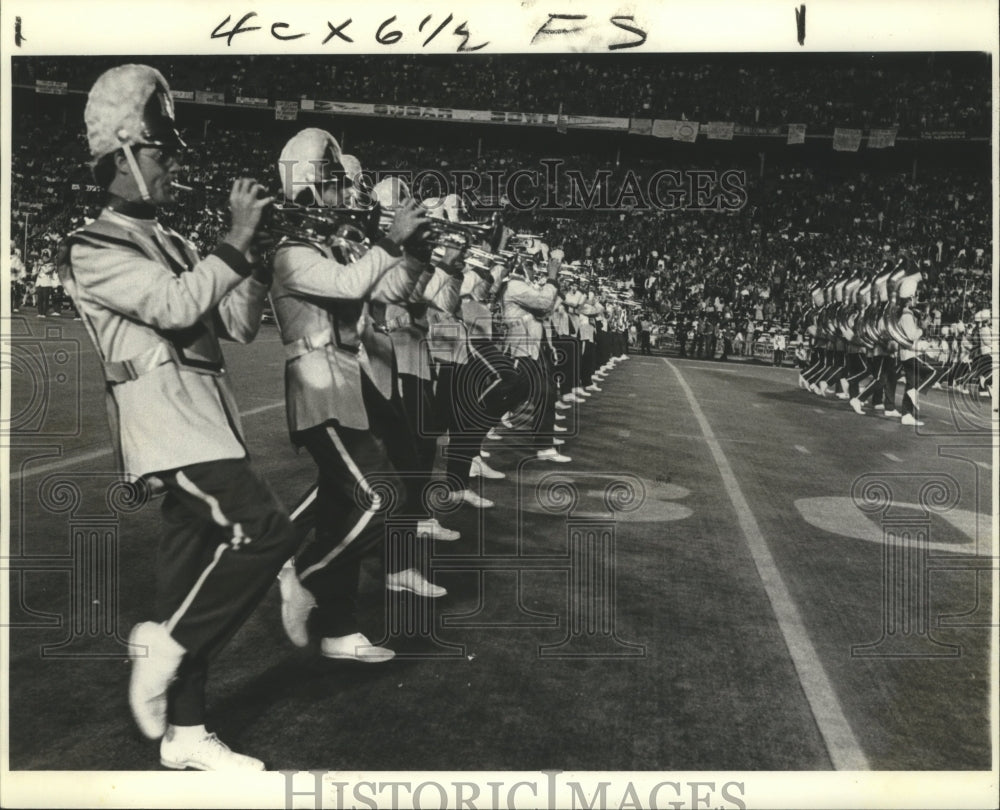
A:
(246, 207)
(410, 217)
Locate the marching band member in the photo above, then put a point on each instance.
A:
(918, 373)
(483, 388)
(155, 313)
(523, 307)
(564, 348)
(575, 298)
(408, 327)
(457, 407)
(883, 366)
(810, 373)
(980, 379)
(320, 289)
(856, 369)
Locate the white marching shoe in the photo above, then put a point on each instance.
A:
(910, 419)
(355, 647)
(560, 417)
(480, 469)
(413, 581)
(296, 605)
(493, 435)
(562, 405)
(557, 442)
(593, 387)
(857, 406)
(581, 392)
(559, 429)
(201, 750)
(484, 453)
(893, 412)
(551, 454)
(155, 659)
(436, 530)
(472, 499)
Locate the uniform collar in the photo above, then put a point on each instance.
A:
(129, 208)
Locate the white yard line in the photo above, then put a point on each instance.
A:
(844, 749)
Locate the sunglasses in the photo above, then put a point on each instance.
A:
(161, 155)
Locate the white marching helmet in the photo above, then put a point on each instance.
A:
(304, 162)
(391, 192)
(352, 167)
(130, 105)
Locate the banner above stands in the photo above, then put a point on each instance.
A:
(678, 130)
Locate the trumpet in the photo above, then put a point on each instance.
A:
(483, 261)
(438, 232)
(350, 231)
(445, 233)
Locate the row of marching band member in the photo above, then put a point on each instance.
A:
(866, 335)
(388, 324)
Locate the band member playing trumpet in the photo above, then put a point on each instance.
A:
(319, 297)
(155, 313)
(406, 322)
(524, 306)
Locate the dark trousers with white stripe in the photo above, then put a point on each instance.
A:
(473, 396)
(225, 538)
(537, 379)
(857, 370)
(423, 420)
(602, 339)
(461, 410)
(385, 459)
(588, 362)
(918, 374)
(347, 508)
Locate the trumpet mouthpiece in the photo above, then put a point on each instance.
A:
(181, 186)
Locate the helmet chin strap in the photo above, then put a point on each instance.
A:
(140, 181)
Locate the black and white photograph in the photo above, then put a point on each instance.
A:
(515, 405)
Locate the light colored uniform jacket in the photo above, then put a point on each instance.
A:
(408, 322)
(319, 303)
(449, 336)
(155, 312)
(909, 327)
(523, 309)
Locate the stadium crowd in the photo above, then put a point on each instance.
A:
(915, 93)
(754, 264)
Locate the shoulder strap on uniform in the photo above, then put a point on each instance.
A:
(103, 234)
